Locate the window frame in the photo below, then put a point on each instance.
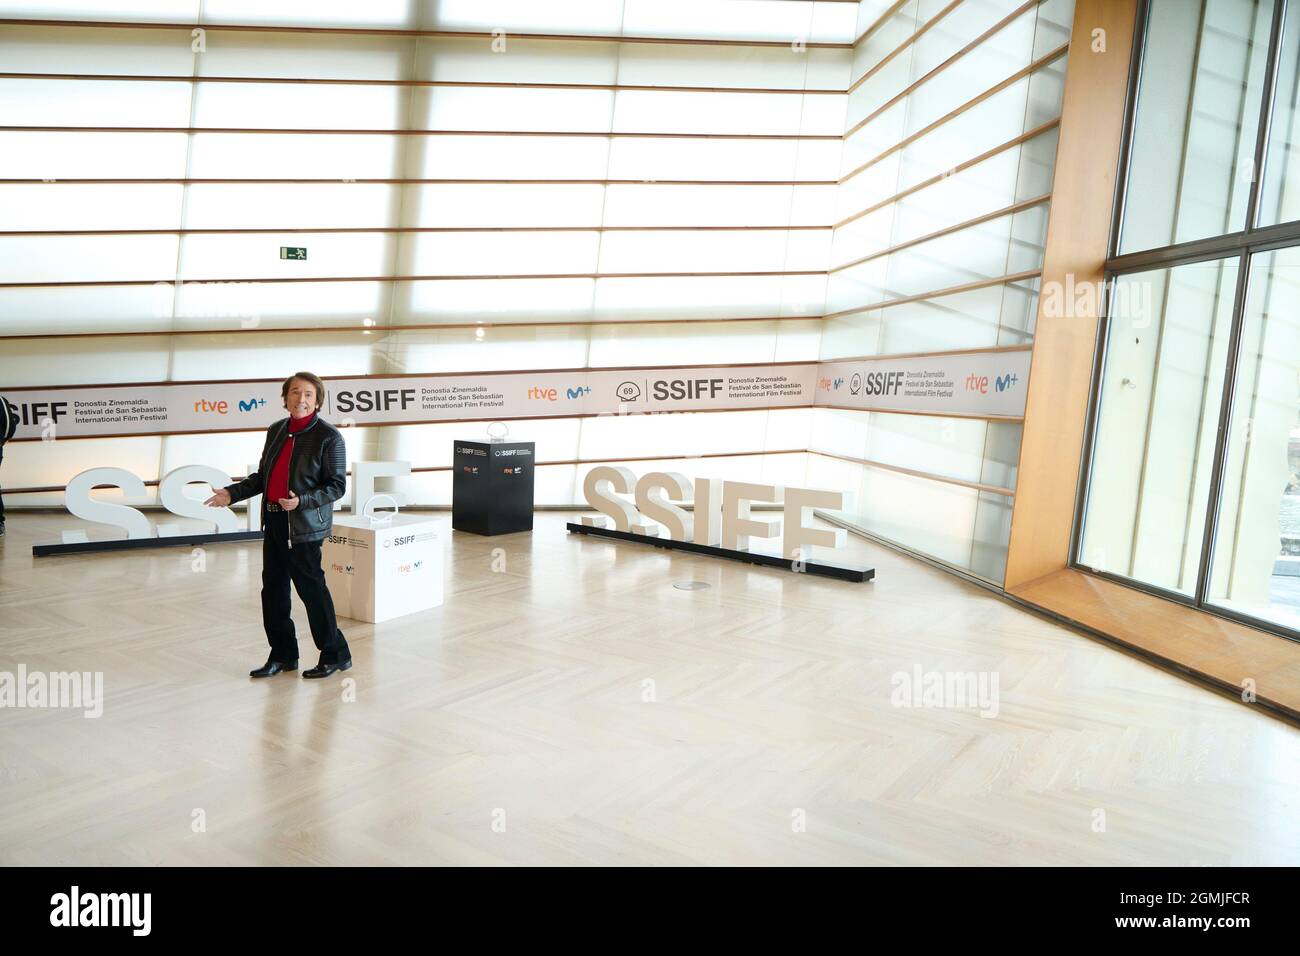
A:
(1244, 245)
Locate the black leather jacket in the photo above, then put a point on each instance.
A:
(317, 475)
(8, 420)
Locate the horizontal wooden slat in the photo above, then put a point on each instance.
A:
(192, 181)
(951, 290)
(932, 354)
(400, 230)
(948, 230)
(879, 21)
(1013, 419)
(289, 131)
(431, 421)
(436, 327)
(466, 84)
(153, 482)
(1043, 61)
(948, 173)
(420, 327)
(402, 32)
(945, 64)
(937, 293)
(920, 32)
(913, 473)
(82, 283)
(456, 374)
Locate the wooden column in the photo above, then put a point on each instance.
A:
(1078, 231)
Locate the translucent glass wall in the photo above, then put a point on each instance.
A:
(517, 185)
(479, 185)
(940, 221)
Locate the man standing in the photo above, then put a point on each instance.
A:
(8, 425)
(303, 471)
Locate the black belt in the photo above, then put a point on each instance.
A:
(273, 506)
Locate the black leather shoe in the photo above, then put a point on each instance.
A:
(324, 670)
(271, 668)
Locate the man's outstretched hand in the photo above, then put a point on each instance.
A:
(220, 499)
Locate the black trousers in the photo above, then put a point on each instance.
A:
(2, 501)
(301, 565)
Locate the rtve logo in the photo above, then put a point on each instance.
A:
(212, 408)
(980, 383)
(539, 393)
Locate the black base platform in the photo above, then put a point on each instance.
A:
(131, 544)
(851, 573)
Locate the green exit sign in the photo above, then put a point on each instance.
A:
(293, 252)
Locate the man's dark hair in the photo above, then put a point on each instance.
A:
(306, 377)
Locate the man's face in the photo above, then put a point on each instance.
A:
(301, 400)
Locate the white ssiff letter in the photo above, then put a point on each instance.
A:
(721, 509)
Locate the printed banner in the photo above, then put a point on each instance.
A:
(77, 411)
(960, 383)
(971, 383)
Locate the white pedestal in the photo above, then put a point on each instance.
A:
(377, 574)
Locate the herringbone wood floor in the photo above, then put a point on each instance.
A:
(520, 703)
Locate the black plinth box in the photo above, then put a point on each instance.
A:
(492, 487)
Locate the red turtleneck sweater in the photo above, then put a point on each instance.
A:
(277, 486)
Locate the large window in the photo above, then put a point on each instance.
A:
(1193, 482)
(1256, 566)
(1159, 408)
(1197, 111)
